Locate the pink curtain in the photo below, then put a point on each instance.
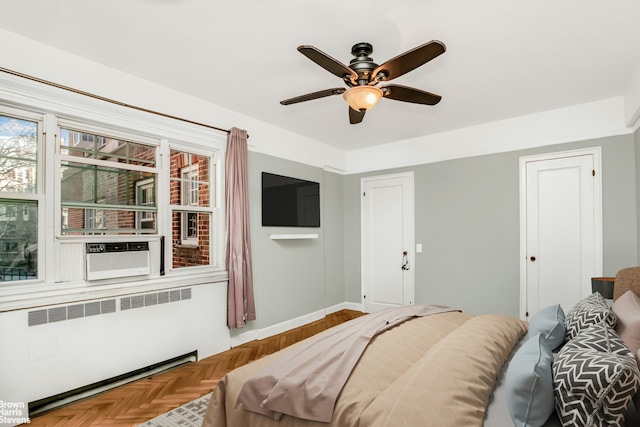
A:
(240, 305)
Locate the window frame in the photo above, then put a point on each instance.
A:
(38, 196)
(100, 131)
(215, 185)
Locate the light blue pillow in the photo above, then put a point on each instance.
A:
(529, 384)
(550, 322)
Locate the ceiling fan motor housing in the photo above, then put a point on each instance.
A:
(362, 64)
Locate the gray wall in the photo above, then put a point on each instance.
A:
(467, 218)
(293, 278)
(333, 230)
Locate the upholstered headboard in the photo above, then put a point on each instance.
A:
(627, 279)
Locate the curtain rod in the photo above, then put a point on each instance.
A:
(112, 101)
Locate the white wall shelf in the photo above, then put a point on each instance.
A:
(292, 236)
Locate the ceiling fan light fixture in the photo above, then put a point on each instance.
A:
(362, 97)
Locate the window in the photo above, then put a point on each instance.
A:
(101, 178)
(94, 219)
(66, 182)
(19, 198)
(192, 212)
(145, 196)
(189, 191)
(85, 139)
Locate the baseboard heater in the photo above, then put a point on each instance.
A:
(51, 403)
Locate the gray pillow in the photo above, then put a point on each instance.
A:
(550, 323)
(595, 377)
(529, 384)
(588, 312)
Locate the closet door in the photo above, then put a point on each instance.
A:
(562, 228)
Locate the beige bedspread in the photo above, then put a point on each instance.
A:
(306, 383)
(439, 368)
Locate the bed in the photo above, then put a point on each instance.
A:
(443, 367)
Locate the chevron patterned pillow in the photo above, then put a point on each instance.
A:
(599, 337)
(589, 311)
(595, 376)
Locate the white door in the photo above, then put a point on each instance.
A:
(562, 228)
(387, 241)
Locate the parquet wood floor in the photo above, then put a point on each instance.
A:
(139, 401)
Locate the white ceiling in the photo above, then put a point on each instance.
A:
(504, 58)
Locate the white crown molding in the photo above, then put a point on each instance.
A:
(580, 122)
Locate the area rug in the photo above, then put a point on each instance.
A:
(188, 415)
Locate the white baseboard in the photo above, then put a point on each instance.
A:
(243, 337)
(344, 306)
(269, 331)
(287, 325)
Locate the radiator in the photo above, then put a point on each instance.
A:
(44, 405)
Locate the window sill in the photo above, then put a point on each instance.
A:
(32, 296)
(186, 246)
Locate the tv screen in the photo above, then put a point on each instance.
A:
(289, 202)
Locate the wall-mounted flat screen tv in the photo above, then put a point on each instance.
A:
(289, 202)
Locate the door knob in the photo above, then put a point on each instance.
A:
(405, 261)
(532, 258)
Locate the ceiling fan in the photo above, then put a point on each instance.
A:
(362, 75)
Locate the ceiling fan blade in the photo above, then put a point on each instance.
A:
(313, 95)
(356, 117)
(410, 60)
(328, 63)
(409, 94)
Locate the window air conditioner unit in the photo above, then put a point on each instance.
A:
(121, 259)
